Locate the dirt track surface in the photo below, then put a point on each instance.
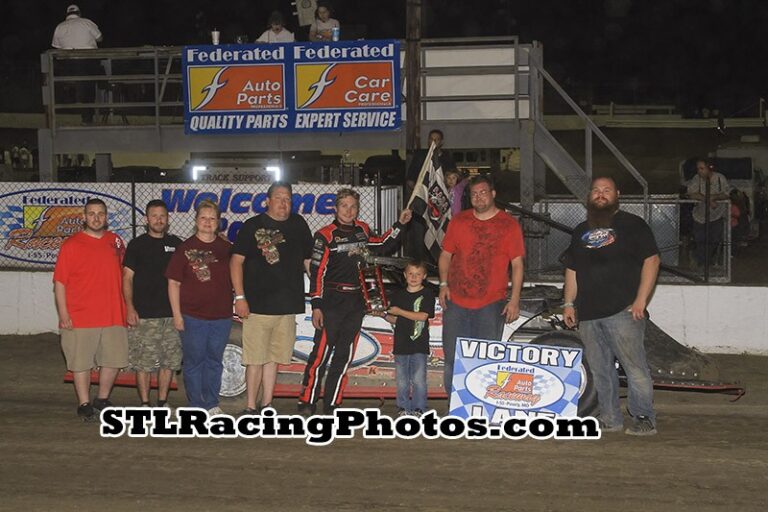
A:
(711, 454)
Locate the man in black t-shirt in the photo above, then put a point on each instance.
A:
(154, 344)
(410, 311)
(611, 269)
(269, 258)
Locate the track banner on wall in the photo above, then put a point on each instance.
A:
(331, 86)
(498, 380)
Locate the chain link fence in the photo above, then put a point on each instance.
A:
(36, 218)
(668, 216)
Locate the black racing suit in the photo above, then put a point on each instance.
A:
(334, 289)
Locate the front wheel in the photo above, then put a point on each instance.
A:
(587, 391)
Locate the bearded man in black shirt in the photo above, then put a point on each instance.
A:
(611, 269)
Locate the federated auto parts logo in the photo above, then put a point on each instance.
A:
(35, 222)
(236, 87)
(345, 85)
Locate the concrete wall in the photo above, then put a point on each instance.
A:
(26, 303)
(730, 319)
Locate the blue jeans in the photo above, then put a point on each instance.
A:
(618, 337)
(411, 377)
(203, 343)
(485, 323)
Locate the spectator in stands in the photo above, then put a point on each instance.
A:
(739, 218)
(708, 236)
(322, 28)
(276, 33)
(78, 33)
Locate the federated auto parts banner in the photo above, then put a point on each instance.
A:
(334, 86)
(36, 218)
(497, 380)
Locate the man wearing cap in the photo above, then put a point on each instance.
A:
(77, 33)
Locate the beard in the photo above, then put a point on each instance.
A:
(601, 216)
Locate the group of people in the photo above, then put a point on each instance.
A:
(321, 29)
(162, 302)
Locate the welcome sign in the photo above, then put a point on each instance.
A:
(333, 86)
(498, 380)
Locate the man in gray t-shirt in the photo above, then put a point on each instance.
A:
(718, 210)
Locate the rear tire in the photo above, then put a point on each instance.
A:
(588, 397)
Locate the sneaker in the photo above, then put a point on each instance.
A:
(145, 404)
(328, 409)
(418, 413)
(101, 403)
(642, 426)
(401, 412)
(86, 412)
(213, 411)
(249, 411)
(306, 409)
(605, 427)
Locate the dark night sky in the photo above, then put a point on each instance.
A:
(684, 52)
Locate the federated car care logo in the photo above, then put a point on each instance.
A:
(598, 238)
(438, 202)
(236, 87)
(344, 85)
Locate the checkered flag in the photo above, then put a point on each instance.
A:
(431, 201)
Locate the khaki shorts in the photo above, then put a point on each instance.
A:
(153, 344)
(86, 348)
(268, 338)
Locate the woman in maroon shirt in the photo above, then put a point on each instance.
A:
(200, 293)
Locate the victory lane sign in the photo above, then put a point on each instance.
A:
(498, 380)
(334, 86)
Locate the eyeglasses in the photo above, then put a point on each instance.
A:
(480, 193)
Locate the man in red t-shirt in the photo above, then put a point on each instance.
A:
(480, 246)
(87, 283)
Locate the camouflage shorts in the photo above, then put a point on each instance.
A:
(154, 344)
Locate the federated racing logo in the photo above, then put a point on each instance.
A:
(598, 238)
(237, 87)
(515, 386)
(45, 227)
(35, 222)
(345, 85)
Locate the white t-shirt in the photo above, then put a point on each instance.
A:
(269, 36)
(324, 27)
(717, 185)
(76, 33)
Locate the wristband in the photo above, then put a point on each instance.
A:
(239, 297)
(568, 305)
(443, 284)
